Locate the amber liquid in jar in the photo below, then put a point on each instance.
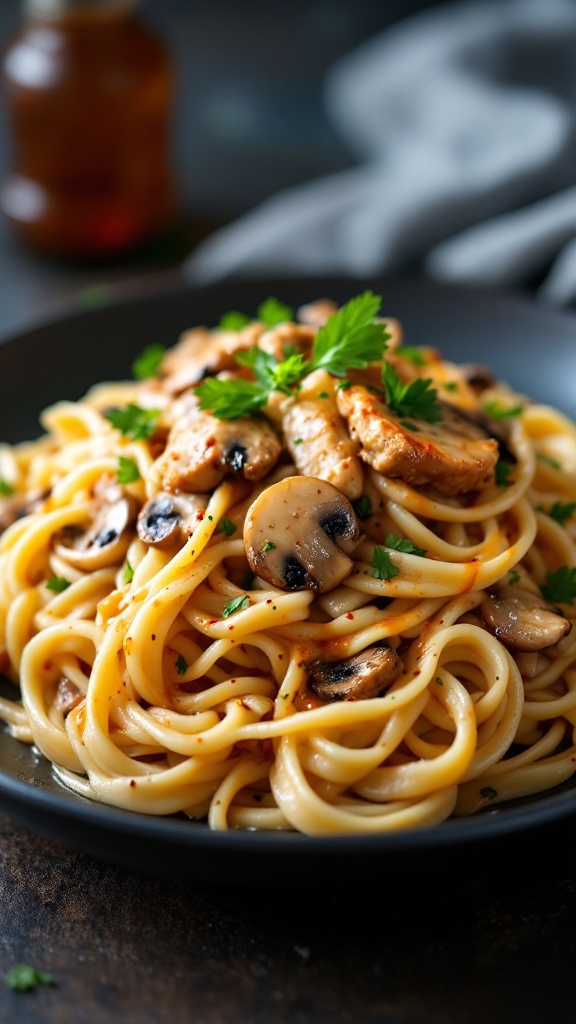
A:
(89, 91)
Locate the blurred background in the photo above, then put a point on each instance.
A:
(249, 120)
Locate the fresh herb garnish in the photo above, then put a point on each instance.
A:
(404, 545)
(181, 665)
(502, 412)
(349, 338)
(513, 577)
(560, 511)
(553, 463)
(363, 506)
(502, 471)
(57, 584)
(272, 312)
(269, 546)
(237, 604)
(233, 321)
(412, 354)
(418, 399)
(148, 362)
(450, 385)
(382, 564)
(127, 573)
(227, 526)
(134, 422)
(6, 489)
(128, 471)
(23, 977)
(560, 586)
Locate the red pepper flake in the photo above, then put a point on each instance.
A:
(153, 637)
(232, 680)
(280, 657)
(200, 515)
(230, 627)
(47, 665)
(269, 601)
(132, 783)
(349, 616)
(212, 622)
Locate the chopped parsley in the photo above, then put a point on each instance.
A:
(227, 526)
(502, 471)
(148, 362)
(560, 586)
(128, 471)
(382, 564)
(269, 546)
(181, 665)
(502, 412)
(272, 312)
(23, 977)
(237, 604)
(6, 489)
(363, 506)
(412, 354)
(513, 577)
(404, 545)
(560, 511)
(553, 463)
(57, 584)
(418, 399)
(233, 321)
(134, 422)
(127, 573)
(450, 385)
(349, 338)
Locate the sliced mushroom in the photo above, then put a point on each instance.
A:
(298, 535)
(521, 619)
(202, 449)
(479, 377)
(453, 456)
(106, 539)
(168, 519)
(366, 675)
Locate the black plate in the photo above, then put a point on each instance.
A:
(531, 347)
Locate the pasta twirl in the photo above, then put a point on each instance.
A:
(299, 576)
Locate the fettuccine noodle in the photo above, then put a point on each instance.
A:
(172, 678)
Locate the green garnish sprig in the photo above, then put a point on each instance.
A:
(350, 338)
(134, 422)
(560, 586)
(418, 399)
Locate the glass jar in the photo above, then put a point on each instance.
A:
(89, 92)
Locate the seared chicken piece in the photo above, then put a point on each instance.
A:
(317, 438)
(453, 456)
(201, 352)
(278, 340)
(202, 449)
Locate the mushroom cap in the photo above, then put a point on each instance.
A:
(106, 539)
(298, 535)
(169, 518)
(364, 676)
(523, 620)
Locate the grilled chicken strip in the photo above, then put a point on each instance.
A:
(202, 449)
(453, 456)
(201, 352)
(317, 438)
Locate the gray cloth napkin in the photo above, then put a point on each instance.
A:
(463, 124)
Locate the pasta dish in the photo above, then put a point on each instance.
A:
(297, 573)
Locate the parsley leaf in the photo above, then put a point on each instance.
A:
(57, 584)
(134, 422)
(382, 564)
(181, 665)
(560, 586)
(502, 471)
(553, 463)
(227, 526)
(230, 399)
(404, 545)
(272, 312)
(502, 412)
(412, 354)
(233, 321)
(237, 604)
(148, 362)
(23, 977)
(363, 506)
(350, 338)
(416, 399)
(513, 577)
(271, 374)
(6, 489)
(560, 511)
(127, 573)
(128, 471)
